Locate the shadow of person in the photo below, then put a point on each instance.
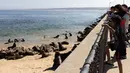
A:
(108, 67)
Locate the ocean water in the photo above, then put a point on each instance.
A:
(30, 24)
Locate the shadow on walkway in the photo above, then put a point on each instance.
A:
(107, 67)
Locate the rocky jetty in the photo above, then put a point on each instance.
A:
(88, 29)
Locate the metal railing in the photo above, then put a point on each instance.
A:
(94, 63)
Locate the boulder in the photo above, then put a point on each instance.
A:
(79, 39)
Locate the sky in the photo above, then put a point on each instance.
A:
(34, 4)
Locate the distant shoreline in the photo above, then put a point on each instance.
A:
(65, 8)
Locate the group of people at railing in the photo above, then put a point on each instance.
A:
(117, 23)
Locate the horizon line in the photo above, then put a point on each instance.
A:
(56, 8)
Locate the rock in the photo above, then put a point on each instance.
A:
(87, 30)
(79, 39)
(65, 43)
(81, 33)
(92, 26)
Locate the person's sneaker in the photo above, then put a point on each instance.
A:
(123, 57)
(109, 63)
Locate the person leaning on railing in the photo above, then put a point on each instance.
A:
(111, 24)
(118, 33)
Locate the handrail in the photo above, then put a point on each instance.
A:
(94, 63)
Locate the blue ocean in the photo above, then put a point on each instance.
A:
(39, 22)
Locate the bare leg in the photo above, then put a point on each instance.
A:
(120, 66)
(108, 54)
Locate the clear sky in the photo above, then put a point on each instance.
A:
(30, 4)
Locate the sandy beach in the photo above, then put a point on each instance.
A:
(32, 64)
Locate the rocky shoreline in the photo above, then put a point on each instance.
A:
(15, 52)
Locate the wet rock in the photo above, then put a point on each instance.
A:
(94, 24)
(87, 30)
(79, 39)
(81, 33)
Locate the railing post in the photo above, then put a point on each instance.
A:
(102, 45)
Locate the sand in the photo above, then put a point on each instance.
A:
(28, 64)
(32, 64)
